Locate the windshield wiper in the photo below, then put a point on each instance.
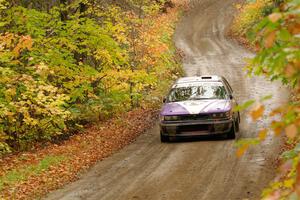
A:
(200, 98)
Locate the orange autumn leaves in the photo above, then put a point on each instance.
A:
(293, 27)
(242, 150)
(276, 38)
(257, 112)
(291, 130)
(17, 43)
(278, 127)
(262, 134)
(271, 37)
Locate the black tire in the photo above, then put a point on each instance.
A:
(237, 125)
(231, 133)
(164, 138)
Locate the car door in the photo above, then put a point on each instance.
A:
(233, 100)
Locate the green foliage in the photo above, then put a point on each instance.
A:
(62, 66)
(278, 58)
(280, 53)
(250, 14)
(244, 106)
(3, 4)
(22, 174)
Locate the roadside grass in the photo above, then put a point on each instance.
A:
(36, 173)
(22, 174)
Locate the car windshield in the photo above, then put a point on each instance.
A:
(198, 92)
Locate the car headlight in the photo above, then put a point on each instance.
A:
(228, 114)
(222, 115)
(170, 118)
(161, 118)
(218, 115)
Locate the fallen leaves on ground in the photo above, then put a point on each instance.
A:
(82, 151)
(291, 131)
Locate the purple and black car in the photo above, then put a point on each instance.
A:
(197, 106)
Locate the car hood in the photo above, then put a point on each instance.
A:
(196, 107)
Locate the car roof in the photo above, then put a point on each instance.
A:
(191, 79)
(197, 79)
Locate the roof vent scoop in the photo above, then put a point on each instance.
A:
(206, 77)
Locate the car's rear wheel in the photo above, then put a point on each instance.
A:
(164, 138)
(231, 133)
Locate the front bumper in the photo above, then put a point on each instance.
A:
(195, 128)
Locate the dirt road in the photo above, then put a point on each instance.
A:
(206, 169)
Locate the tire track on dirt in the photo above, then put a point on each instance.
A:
(206, 169)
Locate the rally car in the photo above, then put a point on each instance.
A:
(197, 106)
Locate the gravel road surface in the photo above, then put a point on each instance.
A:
(190, 170)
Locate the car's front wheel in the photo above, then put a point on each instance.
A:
(164, 138)
(231, 133)
(237, 125)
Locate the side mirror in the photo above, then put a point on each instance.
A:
(164, 100)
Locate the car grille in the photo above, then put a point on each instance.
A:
(192, 128)
(194, 117)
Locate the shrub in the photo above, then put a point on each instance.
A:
(63, 67)
(250, 13)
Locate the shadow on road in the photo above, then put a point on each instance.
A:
(199, 138)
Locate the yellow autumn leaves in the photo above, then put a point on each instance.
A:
(290, 130)
(249, 14)
(275, 37)
(257, 112)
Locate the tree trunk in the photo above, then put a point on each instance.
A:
(63, 13)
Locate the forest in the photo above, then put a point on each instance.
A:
(68, 63)
(70, 68)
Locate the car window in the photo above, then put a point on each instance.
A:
(198, 92)
(228, 85)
